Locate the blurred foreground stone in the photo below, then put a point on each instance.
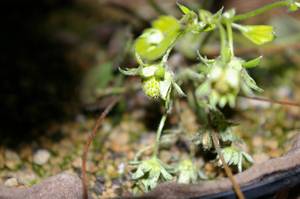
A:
(61, 186)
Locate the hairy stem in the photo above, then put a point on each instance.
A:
(88, 143)
(228, 171)
(261, 10)
(158, 134)
(223, 41)
(230, 37)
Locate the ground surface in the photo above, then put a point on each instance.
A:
(267, 130)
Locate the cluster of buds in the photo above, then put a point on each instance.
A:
(149, 172)
(188, 172)
(156, 43)
(235, 157)
(225, 83)
(157, 80)
(225, 80)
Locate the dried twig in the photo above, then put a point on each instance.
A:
(88, 143)
(281, 102)
(228, 171)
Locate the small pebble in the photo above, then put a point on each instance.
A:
(121, 168)
(27, 178)
(41, 157)
(12, 160)
(99, 185)
(11, 182)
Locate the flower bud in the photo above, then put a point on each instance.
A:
(187, 172)
(151, 87)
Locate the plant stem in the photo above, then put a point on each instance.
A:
(281, 102)
(228, 171)
(261, 10)
(140, 152)
(223, 41)
(89, 141)
(230, 37)
(158, 134)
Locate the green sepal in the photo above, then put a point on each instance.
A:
(187, 172)
(249, 82)
(178, 89)
(258, 34)
(252, 63)
(185, 10)
(131, 71)
(164, 87)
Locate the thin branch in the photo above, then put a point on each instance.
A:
(281, 102)
(228, 171)
(88, 143)
(158, 134)
(260, 10)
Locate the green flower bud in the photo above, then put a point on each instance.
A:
(235, 157)
(223, 83)
(187, 172)
(225, 80)
(150, 172)
(151, 87)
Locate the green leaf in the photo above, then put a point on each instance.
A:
(156, 41)
(139, 173)
(166, 24)
(294, 6)
(167, 176)
(223, 101)
(184, 9)
(228, 136)
(203, 89)
(227, 154)
(178, 89)
(235, 158)
(258, 34)
(240, 163)
(252, 63)
(249, 81)
(205, 15)
(247, 157)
